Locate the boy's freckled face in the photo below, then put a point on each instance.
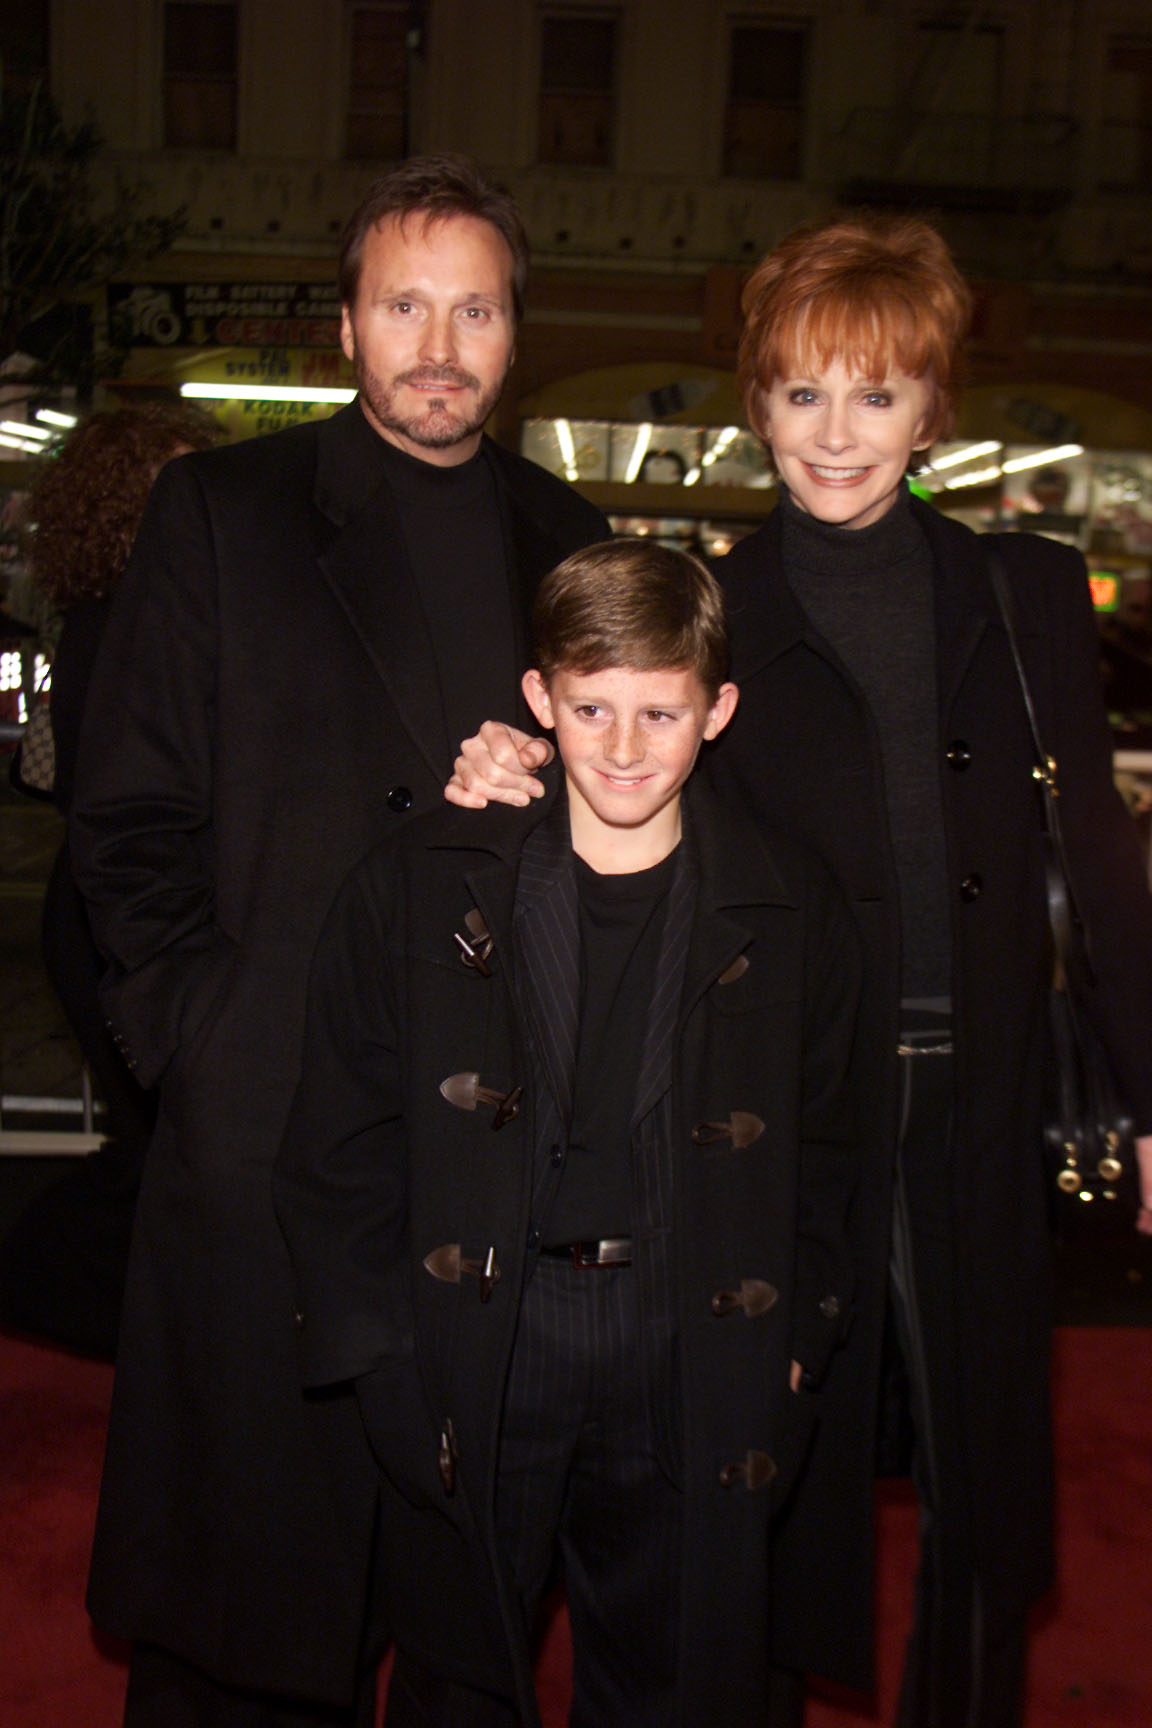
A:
(628, 738)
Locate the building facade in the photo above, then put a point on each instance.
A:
(657, 149)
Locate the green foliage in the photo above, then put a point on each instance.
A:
(64, 230)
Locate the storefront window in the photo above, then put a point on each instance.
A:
(629, 453)
(1098, 500)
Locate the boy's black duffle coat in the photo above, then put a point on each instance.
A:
(411, 1219)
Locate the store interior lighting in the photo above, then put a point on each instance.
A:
(567, 450)
(977, 477)
(29, 446)
(1040, 458)
(53, 417)
(265, 393)
(968, 454)
(725, 438)
(639, 451)
(35, 435)
(985, 476)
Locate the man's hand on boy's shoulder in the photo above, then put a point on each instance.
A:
(498, 766)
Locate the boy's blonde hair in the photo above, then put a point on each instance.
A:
(632, 603)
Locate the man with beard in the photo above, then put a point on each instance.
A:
(308, 625)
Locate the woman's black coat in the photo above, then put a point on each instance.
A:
(803, 754)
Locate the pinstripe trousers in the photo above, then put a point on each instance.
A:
(580, 1489)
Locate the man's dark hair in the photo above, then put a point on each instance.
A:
(433, 188)
(631, 603)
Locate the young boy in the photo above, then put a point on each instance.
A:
(564, 1186)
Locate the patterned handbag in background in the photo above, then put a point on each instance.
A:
(34, 765)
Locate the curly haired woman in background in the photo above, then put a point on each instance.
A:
(62, 1266)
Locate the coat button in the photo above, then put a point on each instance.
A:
(972, 887)
(398, 798)
(466, 1092)
(446, 1456)
(755, 1470)
(298, 1320)
(742, 1129)
(958, 755)
(829, 1307)
(755, 1296)
(737, 970)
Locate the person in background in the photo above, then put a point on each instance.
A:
(62, 1266)
(308, 623)
(595, 1339)
(881, 719)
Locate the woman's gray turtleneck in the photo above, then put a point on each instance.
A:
(868, 592)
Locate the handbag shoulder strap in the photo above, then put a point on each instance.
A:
(1068, 930)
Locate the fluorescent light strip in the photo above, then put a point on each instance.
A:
(968, 454)
(1058, 453)
(29, 447)
(567, 450)
(265, 393)
(639, 451)
(51, 417)
(36, 435)
(724, 440)
(978, 477)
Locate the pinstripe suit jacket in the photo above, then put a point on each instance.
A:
(412, 1208)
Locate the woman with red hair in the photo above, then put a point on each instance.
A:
(881, 717)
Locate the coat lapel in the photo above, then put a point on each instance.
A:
(764, 616)
(530, 546)
(655, 1074)
(547, 936)
(964, 602)
(724, 867)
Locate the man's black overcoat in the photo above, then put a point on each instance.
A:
(264, 709)
(742, 1120)
(803, 753)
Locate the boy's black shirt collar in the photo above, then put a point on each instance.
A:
(735, 855)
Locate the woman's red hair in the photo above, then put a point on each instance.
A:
(881, 293)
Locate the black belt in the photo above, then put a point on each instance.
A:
(926, 1028)
(590, 1256)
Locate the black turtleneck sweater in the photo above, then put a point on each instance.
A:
(868, 591)
(454, 540)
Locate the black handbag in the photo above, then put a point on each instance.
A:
(1089, 1134)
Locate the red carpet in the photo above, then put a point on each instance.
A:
(1092, 1665)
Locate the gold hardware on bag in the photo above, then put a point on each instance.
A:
(1047, 774)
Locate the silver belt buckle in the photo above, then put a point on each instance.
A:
(608, 1251)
